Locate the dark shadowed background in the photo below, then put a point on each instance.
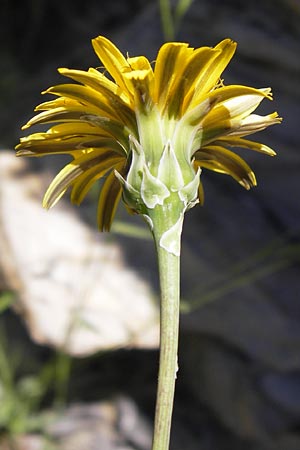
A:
(239, 380)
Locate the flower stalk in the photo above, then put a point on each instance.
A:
(169, 275)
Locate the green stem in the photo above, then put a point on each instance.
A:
(169, 274)
(167, 19)
(63, 365)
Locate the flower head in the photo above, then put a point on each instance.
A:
(148, 131)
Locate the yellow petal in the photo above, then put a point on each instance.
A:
(68, 129)
(61, 114)
(184, 83)
(83, 94)
(254, 123)
(245, 143)
(70, 172)
(109, 92)
(84, 114)
(220, 95)
(57, 103)
(171, 60)
(88, 131)
(230, 117)
(221, 160)
(138, 63)
(201, 196)
(233, 109)
(242, 106)
(212, 71)
(140, 84)
(40, 144)
(215, 125)
(196, 73)
(92, 78)
(109, 198)
(112, 59)
(85, 181)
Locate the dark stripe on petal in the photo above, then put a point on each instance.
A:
(109, 198)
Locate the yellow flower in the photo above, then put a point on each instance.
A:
(148, 131)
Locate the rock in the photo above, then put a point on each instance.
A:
(74, 290)
(106, 425)
(23, 442)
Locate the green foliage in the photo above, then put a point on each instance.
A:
(6, 299)
(20, 397)
(171, 19)
(274, 257)
(22, 393)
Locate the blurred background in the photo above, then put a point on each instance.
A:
(79, 309)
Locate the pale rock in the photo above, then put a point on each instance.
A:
(74, 289)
